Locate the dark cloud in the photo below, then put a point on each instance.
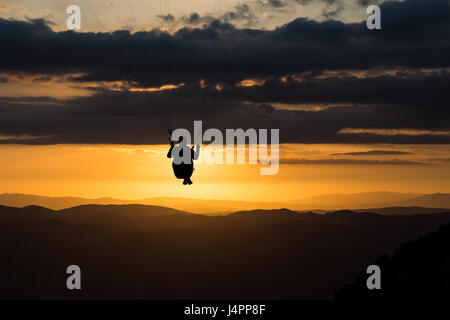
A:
(395, 162)
(405, 89)
(291, 3)
(332, 12)
(167, 18)
(332, 8)
(294, 60)
(276, 3)
(241, 12)
(373, 153)
(414, 34)
(366, 3)
(196, 19)
(131, 118)
(42, 79)
(445, 160)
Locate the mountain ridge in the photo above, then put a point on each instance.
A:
(356, 201)
(264, 255)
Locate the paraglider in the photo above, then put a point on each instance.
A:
(159, 44)
(183, 159)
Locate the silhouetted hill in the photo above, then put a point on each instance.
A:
(55, 203)
(211, 207)
(128, 210)
(350, 201)
(26, 212)
(85, 212)
(436, 200)
(141, 252)
(403, 210)
(260, 212)
(357, 201)
(418, 269)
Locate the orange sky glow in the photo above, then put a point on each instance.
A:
(136, 172)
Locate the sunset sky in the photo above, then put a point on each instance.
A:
(85, 113)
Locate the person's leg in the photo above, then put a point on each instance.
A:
(189, 181)
(186, 181)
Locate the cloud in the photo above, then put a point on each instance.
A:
(408, 89)
(332, 12)
(241, 12)
(414, 35)
(395, 132)
(290, 3)
(326, 64)
(373, 153)
(141, 117)
(444, 160)
(5, 7)
(20, 137)
(366, 3)
(395, 162)
(167, 18)
(196, 19)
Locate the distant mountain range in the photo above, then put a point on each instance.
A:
(152, 252)
(357, 201)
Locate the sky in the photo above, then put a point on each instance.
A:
(86, 113)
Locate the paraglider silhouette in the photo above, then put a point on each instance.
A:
(160, 46)
(183, 166)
